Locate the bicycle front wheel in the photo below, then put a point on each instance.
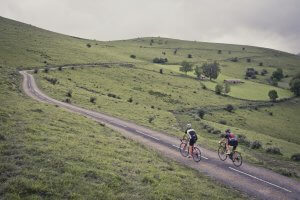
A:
(222, 153)
(237, 159)
(196, 154)
(184, 149)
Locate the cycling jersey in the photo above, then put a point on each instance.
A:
(230, 137)
(192, 134)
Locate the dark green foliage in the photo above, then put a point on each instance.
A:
(295, 84)
(161, 71)
(263, 72)
(160, 60)
(235, 59)
(133, 56)
(229, 108)
(130, 100)
(51, 80)
(204, 87)
(150, 119)
(46, 70)
(73, 68)
(60, 68)
(278, 74)
(186, 67)
(251, 72)
(243, 140)
(2, 137)
(255, 144)
(273, 150)
(227, 88)
(287, 172)
(219, 88)
(113, 96)
(36, 71)
(198, 71)
(201, 113)
(190, 56)
(248, 60)
(67, 100)
(175, 51)
(261, 64)
(273, 95)
(158, 94)
(223, 121)
(295, 157)
(93, 99)
(216, 132)
(69, 93)
(219, 51)
(211, 70)
(88, 45)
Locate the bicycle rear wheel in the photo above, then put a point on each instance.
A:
(196, 154)
(184, 149)
(237, 159)
(222, 153)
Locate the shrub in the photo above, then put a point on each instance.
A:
(248, 60)
(60, 68)
(189, 56)
(219, 88)
(261, 64)
(130, 100)
(274, 150)
(67, 100)
(243, 140)
(201, 113)
(253, 76)
(51, 80)
(93, 99)
(69, 93)
(216, 132)
(88, 45)
(219, 51)
(287, 172)
(152, 107)
(2, 138)
(273, 95)
(160, 60)
(222, 121)
(210, 129)
(204, 87)
(150, 119)
(133, 56)
(263, 72)
(113, 96)
(229, 108)
(234, 59)
(255, 144)
(46, 70)
(73, 68)
(36, 71)
(295, 157)
(161, 71)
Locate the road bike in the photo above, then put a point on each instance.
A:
(184, 150)
(234, 156)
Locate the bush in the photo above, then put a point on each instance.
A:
(46, 70)
(261, 64)
(160, 60)
(161, 71)
(93, 99)
(150, 119)
(51, 80)
(222, 121)
(273, 150)
(234, 59)
(88, 45)
(219, 51)
(287, 172)
(229, 108)
(190, 56)
(2, 138)
(133, 56)
(263, 72)
(204, 87)
(60, 68)
(73, 68)
(216, 132)
(273, 95)
(248, 60)
(219, 88)
(69, 93)
(113, 96)
(201, 113)
(130, 100)
(67, 100)
(36, 71)
(210, 129)
(255, 144)
(243, 140)
(295, 157)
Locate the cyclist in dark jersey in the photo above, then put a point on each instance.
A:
(192, 136)
(231, 140)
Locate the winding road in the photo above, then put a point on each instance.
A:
(254, 181)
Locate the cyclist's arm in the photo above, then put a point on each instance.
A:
(222, 140)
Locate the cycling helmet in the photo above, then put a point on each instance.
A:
(189, 126)
(227, 130)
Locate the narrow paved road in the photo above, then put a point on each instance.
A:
(255, 181)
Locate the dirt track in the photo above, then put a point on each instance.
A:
(256, 182)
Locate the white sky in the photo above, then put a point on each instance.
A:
(267, 23)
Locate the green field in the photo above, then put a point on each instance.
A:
(47, 152)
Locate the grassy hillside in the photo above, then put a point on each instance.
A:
(50, 153)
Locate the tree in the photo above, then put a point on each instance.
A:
(278, 74)
(198, 71)
(219, 88)
(273, 95)
(186, 67)
(227, 88)
(211, 70)
(295, 84)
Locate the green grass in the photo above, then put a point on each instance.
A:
(48, 153)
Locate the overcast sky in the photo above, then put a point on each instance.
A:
(267, 23)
